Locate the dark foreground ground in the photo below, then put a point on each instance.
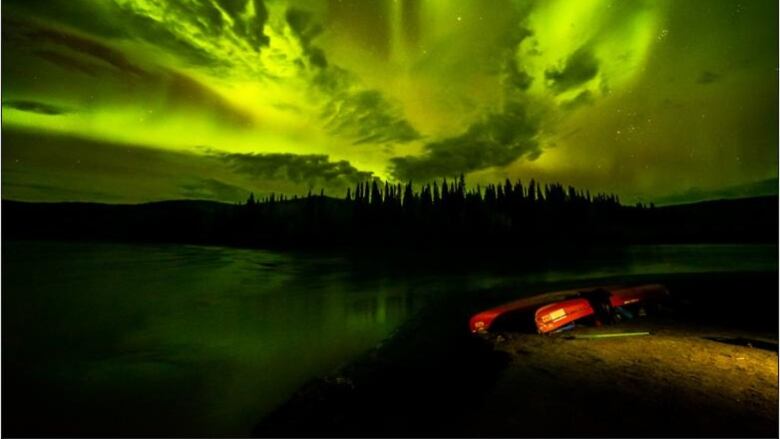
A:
(708, 368)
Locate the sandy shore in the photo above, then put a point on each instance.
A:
(678, 380)
(708, 368)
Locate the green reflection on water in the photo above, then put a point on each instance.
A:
(181, 339)
(162, 340)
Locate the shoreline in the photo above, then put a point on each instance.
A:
(434, 378)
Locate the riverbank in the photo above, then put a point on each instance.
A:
(694, 375)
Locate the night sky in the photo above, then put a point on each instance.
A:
(141, 100)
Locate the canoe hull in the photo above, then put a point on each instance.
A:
(483, 321)
(556, 315)
(570, 302)
(625, 296)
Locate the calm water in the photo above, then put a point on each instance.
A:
(160, 340)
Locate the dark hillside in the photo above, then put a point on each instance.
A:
(320, 222)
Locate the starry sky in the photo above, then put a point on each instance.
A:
(142, 100)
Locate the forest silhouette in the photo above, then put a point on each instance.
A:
(436, 213)
(441, 214)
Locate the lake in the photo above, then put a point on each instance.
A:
(108, 339)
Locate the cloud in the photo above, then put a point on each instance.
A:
(707, 77)
(145, 28)
(69, 50)
(87, 46)
(69, 63)
(302, 24)
(583, 98)
(304, 168)
(364, 115)
(517, 77)
(207, 33)
(249, 26)
(49, 166)
(148, 81)
(579, 68)
(212, 189)
(220, 33)
(102, 15)
(368, 117)
(497, 140)
(36, 107)
(185, 92)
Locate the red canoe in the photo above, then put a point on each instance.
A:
(563, 307)
(623, 296)
(481, 322)
(555, 315)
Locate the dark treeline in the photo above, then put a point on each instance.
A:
(455, 195)
(446, 213)
(441, 214)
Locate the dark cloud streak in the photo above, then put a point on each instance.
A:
(250, 28)
(37, 107)
(306, 29)
(92, 48)
(364, 115)
(68, 62)
(207, 17)
(583, 98)
(579, 68)
(299, 168)
(212, 189)
(367, 116)
(101, 61)
(497, 140)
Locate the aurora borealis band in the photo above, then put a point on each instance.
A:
(141, 100)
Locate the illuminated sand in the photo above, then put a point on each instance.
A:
(634, 385)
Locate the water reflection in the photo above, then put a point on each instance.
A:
(182, 340)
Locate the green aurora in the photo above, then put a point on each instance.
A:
(141, 100)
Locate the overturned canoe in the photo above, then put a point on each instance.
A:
(551, 311)
(555, 315)
(628, 295)
(484, 320)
